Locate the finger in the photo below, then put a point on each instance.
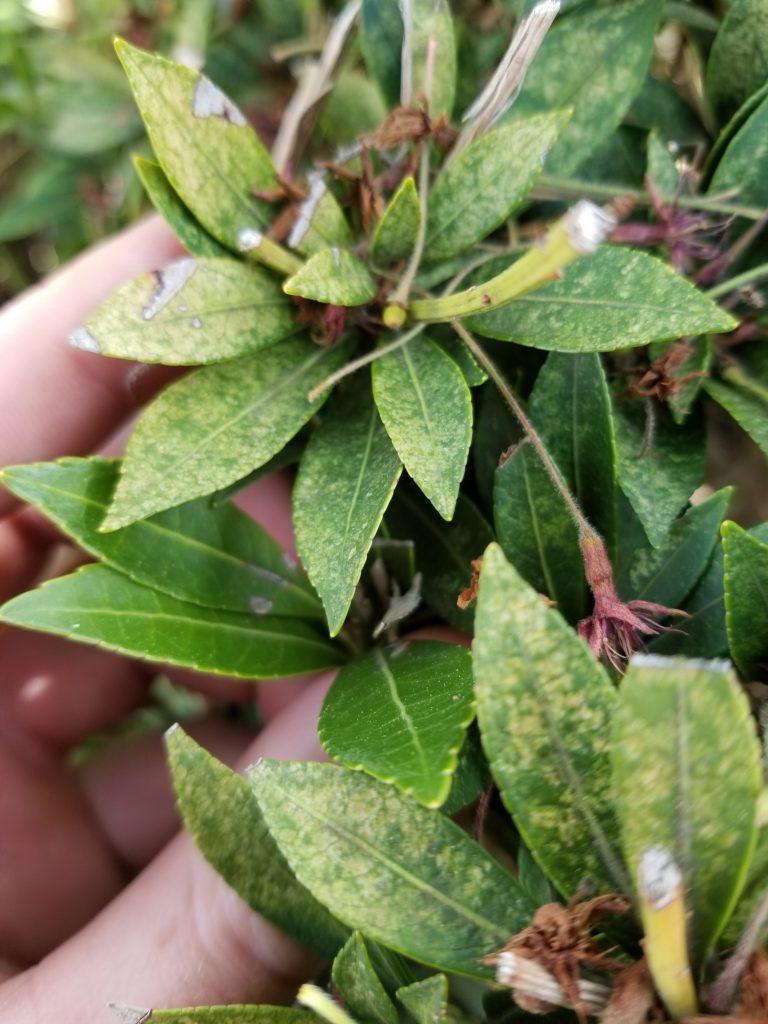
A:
(129, 790)
(93, 394)
(56, 868)
(57, 693)
(177, 935)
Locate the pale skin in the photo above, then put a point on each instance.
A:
(73, 934)
(100, 899)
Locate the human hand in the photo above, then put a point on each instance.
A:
(70, 839)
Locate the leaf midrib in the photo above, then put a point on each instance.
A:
(184, 539)
(375, 853)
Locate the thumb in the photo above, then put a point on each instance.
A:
(178, 935)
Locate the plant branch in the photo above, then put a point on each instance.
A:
(549, 187)
(722, 992)
(758, 273)
(584, 527)
(357, 364)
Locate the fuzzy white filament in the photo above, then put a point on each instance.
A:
(315, 79)
(658, 877)
(507, 80)
(130, 1014)
(588, 225)
(532, 980)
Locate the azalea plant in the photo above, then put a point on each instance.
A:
(498, 266)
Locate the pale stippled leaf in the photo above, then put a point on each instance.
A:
(381, 40)
(97, 605)
(358, 984)
(571, 407)
(420, 885)
(738, 60)
(667, 574)
(593, 63)
(217, 424)
(481, 188)
(657, 477)
(210, 154)
(537, 533)
(453, 346)
(402, 716)
(395, 234)
(431, 29)
(739, 167)
(335, 276)
(210, 555)
(444, 551)
(426, 407)
(746, 598)
(227, 1015)
(192, 311)
(189, 231)
(321, 226)
(220, 812)
(346, 479)
(616, 298)
(544, 706)
(749, 409)
(686, 770)
(426, 1001)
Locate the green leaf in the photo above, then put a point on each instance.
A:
(738, 60)
(231, 1015)
(210, 154)
(746, 598)
(481, 188)
(667, 574)
(381, 40)
(571, 407)
(595, 63)
(702, 634)
(395, 234)
(444, 551)
(471, 775)
(406, 876)
(427, 1000)
(192, 311)
(402, 716)
(358, 984)
(661, 165)
(354, 107)
(215, 425)
(210, 555)
(432, 30)
(616, 298)
(658, 478)
(335, 276)
(536, 531)
(426, 407)
(753, 892)
(749, 409)
(747, 151)
(347, 476)
(190, 233)
(221, 814)
(99, 606)
(686, 768)
(454, 347)
(544, 706)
